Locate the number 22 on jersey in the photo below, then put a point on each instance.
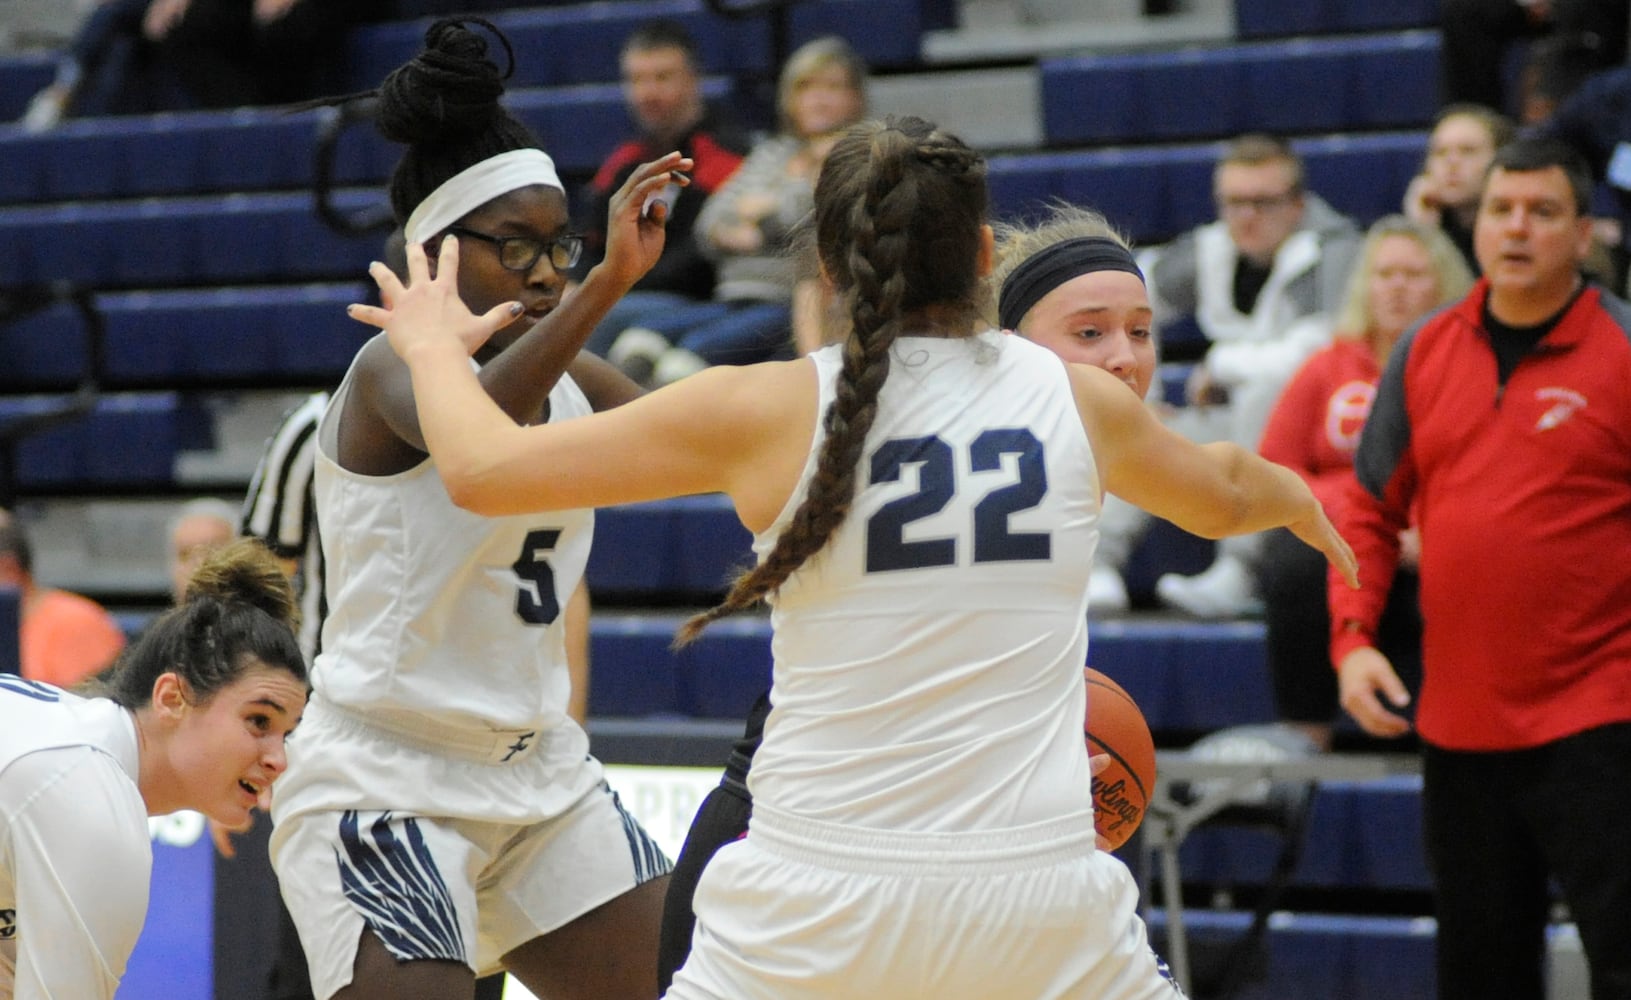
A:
(993, 538)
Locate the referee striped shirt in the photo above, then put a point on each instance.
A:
(281, 511)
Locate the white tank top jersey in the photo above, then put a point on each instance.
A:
(928, 660)
(73, 841)
(439, 615)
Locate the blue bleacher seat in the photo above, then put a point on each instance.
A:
(1360, 834)
(1186, 676)
(1152, 193)
(21, 77)
(573, 44)
(1300, 85)
(1326, 955)
(262, 150)
(635, 672)
(1363, 176)
(170, 241)
(295, 335)
(129, 441)
(1278, 18)
(580, 43)
(291, 335)
(686, 547)
(1157, 192)
(1395, 81)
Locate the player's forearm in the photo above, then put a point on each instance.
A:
(1262, 495)
(465, 431)
(522, 377)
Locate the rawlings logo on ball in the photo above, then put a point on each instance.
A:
(1116, 727)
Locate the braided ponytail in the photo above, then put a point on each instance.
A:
(898, 208)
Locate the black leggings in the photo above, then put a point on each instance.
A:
(722, 819)
(1297, 626)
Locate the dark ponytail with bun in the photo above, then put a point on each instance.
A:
(239, 612)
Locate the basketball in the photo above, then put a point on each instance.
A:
(1116, 727)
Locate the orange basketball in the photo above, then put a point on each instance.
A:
(1116, 727)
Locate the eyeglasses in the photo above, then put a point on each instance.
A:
(1260, 204)
(521, 253)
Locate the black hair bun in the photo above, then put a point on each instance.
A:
(450, 90)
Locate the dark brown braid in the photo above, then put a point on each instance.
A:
(898, 210)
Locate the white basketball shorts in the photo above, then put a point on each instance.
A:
(807, 910)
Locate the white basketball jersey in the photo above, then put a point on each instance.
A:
(63, 817)
(439, 614)
(35, 716)
(928, 660)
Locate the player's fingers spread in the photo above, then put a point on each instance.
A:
(385, 278)
(372, 315)
(447, 268)
(418, 264)
(503, 314)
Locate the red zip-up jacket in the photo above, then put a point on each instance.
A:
(1523, 494)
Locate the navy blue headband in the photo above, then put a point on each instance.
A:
(1045, 271)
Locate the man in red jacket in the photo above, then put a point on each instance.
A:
(1507, 419)
(662, 85)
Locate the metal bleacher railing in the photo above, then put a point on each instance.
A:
(19, 302)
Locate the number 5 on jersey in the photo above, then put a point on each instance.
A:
(887, 547)
(535, 600)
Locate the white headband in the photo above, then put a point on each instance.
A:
(475, 186)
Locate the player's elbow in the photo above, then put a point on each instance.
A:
(473, 488)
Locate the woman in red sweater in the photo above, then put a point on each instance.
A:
(1405, 270)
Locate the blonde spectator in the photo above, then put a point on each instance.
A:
(1405, 271)
(747, 229)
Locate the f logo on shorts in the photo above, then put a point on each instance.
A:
(519, 745)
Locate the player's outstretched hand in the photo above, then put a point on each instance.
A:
(428, 310)
(1319, 532)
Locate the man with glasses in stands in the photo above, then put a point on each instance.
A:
(1261, 282)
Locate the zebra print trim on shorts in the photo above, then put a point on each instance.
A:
(390, 876)
(649, 859)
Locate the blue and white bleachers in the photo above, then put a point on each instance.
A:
(279, 335)
(1297, 86)
(210, 239)
(262, 150)
(580, 43)
(1360, 834)
(21, 77)
(1187, 676)
(1283, 18)
(128, 442)
(1157, 192)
